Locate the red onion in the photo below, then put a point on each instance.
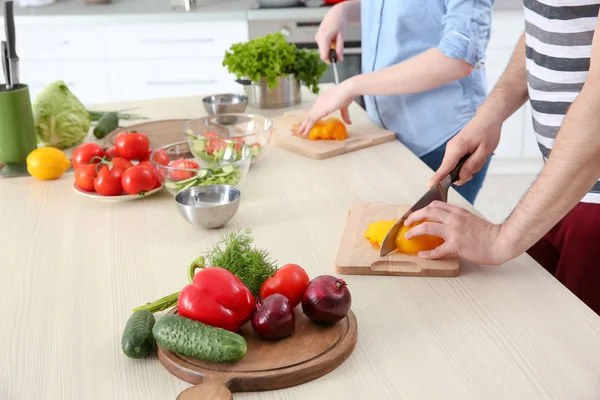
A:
(273, 317)
(326, 300)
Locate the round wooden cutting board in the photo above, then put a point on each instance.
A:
(160, 133)
(309, 353)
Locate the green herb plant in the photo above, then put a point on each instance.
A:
(270, 57)
(235, 253)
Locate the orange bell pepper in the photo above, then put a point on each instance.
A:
(328, 129)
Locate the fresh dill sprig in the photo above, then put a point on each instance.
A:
(236, 254)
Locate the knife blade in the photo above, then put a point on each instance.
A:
(13, 59)
(438, 192)
(4, 54)
(333, 58)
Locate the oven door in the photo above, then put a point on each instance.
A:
(351, 66)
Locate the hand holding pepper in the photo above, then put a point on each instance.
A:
(217, 298)
(338, 98)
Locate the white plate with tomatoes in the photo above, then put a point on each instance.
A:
(122, 173)
(115, 199)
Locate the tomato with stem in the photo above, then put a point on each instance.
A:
(108, 181)
(84, 154)
(132, 145)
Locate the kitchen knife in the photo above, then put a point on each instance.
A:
(13, 59)
(438, 192)
(4, 54)
(333, 58)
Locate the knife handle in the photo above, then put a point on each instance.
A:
(332, 55)
(10, 28)
(454, 174)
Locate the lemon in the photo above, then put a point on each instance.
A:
(47, 163)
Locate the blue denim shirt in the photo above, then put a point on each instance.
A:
(459, 29)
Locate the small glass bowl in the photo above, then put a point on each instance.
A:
(251, 129)
(221, 162)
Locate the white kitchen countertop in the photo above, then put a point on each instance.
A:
(71, 270)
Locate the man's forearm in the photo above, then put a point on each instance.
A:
(572, 169)
(352, 10)
(510, 92)
(425, 71)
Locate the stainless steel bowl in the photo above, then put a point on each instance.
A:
(210, 206)
(225, 103)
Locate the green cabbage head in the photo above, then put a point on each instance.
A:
(60, 119)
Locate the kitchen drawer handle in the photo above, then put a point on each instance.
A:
(352, 50)
(157, 83)
(163, 41)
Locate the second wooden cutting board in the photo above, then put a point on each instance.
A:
(360, 136)
(357, 256)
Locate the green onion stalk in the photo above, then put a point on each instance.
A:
(171, 300)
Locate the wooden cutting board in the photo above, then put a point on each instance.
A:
(309, 353)
(357, 256)
(360, 136)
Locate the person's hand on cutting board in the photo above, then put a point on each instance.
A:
(337, 98)
(465, 234)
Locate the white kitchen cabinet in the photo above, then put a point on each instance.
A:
(120, 61)
(60, 43)
(174, 40)
(137, 80)
(88, 80)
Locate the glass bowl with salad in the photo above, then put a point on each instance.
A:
(226, 163)
(253, 130)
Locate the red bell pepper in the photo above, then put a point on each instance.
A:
(218, 298)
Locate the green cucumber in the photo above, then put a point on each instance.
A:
(195, 339)
(228, 169)
(108, 123)
(137, 340)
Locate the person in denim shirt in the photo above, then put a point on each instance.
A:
(423, 71)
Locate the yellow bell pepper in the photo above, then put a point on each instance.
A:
(328, 129)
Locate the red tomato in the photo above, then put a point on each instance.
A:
(147, 156)
(122, 163)
(138, 179)
(111, 152)
(215, 144)
(108, 181)
(84, 154)
(289, 281)
(84, 177)
(161, 157)
(132, 145)
(182, 175)
(155, 172)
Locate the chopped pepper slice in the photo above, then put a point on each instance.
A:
(328, 129)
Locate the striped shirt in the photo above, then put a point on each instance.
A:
(558, 36)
